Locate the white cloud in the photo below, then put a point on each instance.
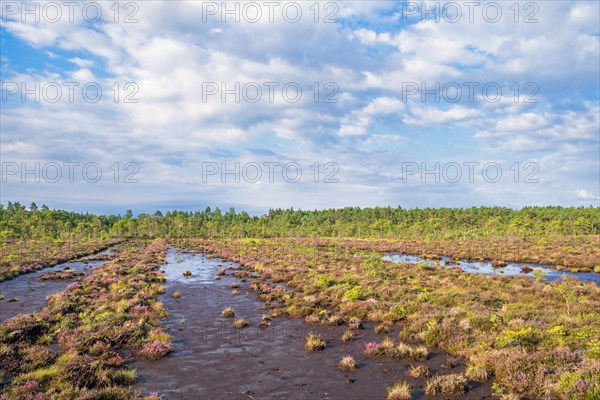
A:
(169, 55)
(357, 123)
(585, 195)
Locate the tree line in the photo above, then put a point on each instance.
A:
(19, 221)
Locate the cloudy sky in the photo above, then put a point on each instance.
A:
(255, 105)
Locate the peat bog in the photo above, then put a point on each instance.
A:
(170, 315)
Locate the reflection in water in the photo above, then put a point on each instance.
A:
(202, 268)
(485, 267)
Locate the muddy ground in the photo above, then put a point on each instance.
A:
(27, 293)
(211, 360)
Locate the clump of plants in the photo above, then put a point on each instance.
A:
(355, 324)
(228, 312)
(400, 391)
(476, 373)
(446, 385)
(420, 371)
(347, 364)
(265, 321)
(240, 323)
(381, 329)
(155, 349)
(372, 349)
(314, 343)
(347, 335)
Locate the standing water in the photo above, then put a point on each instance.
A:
(486, 268)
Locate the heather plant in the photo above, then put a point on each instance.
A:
(372, 349)
(155, 349)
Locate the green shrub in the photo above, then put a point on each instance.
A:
(540, 275)
(397, 313)
(525, 337)
(324, 281)
(356, 293)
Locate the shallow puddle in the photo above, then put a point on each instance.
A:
(485, 267)
(211, 360)
(202, 268)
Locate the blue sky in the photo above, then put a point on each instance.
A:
(371, 60)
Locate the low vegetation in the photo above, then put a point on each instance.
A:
(531, 339)
(95, 323)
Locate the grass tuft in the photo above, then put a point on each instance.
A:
(240, 323)
(446, 385)
(347, 364)
(228, 312)
(314, 343)
(400, 391)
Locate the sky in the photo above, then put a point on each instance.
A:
(162, 105)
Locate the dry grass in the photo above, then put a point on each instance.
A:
(420, 371)
(347, 335)
(446, 385)
(228, 312)
(240, 323)
(476, 373)
(347, 364)
(314, 343)
(400, 391)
